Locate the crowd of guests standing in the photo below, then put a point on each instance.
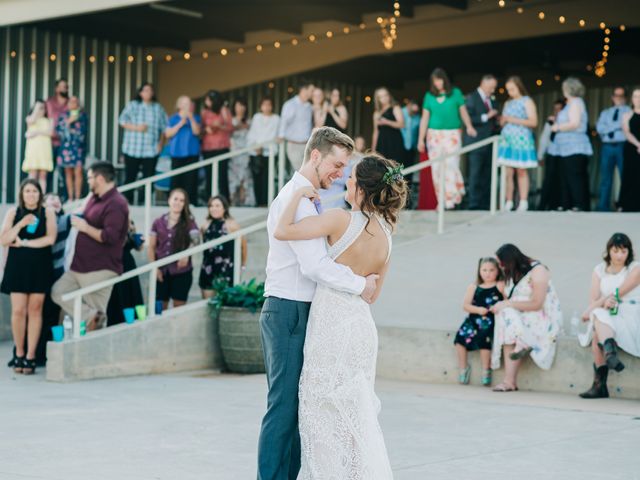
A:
(514, 312)
(92, 244)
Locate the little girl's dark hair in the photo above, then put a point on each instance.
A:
(494, 262)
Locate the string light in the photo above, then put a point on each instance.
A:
(388, 27)
(224, 52)
(541, 15)
(329, 34)
(33, 55)
(367, 99)
(622, 28)
(520, 10)
(271, 85)
(205, 55)
(539, 82)
(501, 3)
(276, 44)
(607, 31)
(259, 48)
(53, 57)
(362, 26)
(294, 41)
(187, 55)
(561, 19)
(92, 59)
(346, 30)
(603, 25)
(72, 58)
(312, 38)
(13, 54)
(168, 58)
(581, 22)
(290, 89)
(111, 59)
(149, 58)
(130, 59)
(241, 50)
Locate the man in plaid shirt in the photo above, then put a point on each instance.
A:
(144, 121)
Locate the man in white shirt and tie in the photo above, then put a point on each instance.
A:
(296, 123)
(483, 116)
(293, 269)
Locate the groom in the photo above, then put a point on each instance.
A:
(293, 269)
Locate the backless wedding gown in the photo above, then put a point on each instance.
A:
(338, 412)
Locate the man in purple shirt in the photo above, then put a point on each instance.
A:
(102, 231)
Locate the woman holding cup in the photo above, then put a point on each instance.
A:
(28, 231)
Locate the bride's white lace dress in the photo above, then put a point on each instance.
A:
(338, 412)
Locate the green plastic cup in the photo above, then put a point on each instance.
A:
(141, 312)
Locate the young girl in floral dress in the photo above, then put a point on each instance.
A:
(476, 332)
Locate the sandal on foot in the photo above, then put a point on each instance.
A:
(486, 377)
(18, 364)
(520, 353)
(505, 387)
(29, 366)
(464, 376)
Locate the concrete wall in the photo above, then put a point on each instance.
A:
(426, 355)
(182, 339)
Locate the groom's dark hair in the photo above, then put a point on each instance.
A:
(324, 139)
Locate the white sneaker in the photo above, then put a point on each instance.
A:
(523, 206)
(508, 206)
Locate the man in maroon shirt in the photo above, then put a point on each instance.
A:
(102, 231)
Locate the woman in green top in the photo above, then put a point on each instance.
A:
(443, 113)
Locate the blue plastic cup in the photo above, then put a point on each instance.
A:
(137, 239)
(58, 333)
(31, 228)
(129, 315)
(159, 307)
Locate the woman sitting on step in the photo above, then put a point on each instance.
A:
(527, 322)
(614, 312)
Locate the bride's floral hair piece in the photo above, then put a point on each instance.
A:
(383, 186)
(393, 175)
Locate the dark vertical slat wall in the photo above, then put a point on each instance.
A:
(103, 88)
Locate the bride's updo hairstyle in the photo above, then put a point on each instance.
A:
(383, 186)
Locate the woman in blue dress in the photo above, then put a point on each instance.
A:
(72, 131)
(517, 147)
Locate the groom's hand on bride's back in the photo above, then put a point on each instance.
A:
(370, 287)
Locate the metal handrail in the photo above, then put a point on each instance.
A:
(152, 267)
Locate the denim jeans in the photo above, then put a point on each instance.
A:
(611, 156)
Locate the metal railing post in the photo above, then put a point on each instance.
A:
(494, 176)
(271, 194)
(281, 162)
(237, 260)
(147, 209)
(503, 187)
(215, 175)
(441, 197)
(77, 315)
(151, 299)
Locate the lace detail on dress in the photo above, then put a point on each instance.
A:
(338, 410)
(356, 226)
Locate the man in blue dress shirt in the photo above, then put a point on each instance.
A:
(609, 128)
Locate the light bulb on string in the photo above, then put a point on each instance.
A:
(346, 30)
(224, 52)
(276, 44)
(501, 3)
(581, 22)
(562, 19)
(259, 48)
(541, 15)
(294, 41)
(622, 28)
(520, 10)
(205, 55)
(187, 56)
(149, 58)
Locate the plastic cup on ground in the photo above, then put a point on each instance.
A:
(83, 328)
(58, 333)
(129, 315)
(159, 307)
(141, 312)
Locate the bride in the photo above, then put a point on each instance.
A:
(338, 410)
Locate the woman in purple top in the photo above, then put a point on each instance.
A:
(174, 232)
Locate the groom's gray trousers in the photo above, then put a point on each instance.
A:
(283, 325)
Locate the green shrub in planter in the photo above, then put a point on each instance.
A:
(237, 309)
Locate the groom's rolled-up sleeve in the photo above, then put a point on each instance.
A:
(316, 264)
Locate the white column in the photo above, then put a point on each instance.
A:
(5, 114)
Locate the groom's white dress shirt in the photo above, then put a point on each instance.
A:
(294, 268)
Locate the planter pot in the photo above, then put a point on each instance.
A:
(240, 340)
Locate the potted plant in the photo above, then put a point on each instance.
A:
(238, 311)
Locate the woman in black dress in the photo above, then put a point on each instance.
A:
(127, 294)
(336, 113)
(629, 200)
(28, 231)
(387, 123)
(218, 262)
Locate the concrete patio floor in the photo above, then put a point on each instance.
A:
(204, 425)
